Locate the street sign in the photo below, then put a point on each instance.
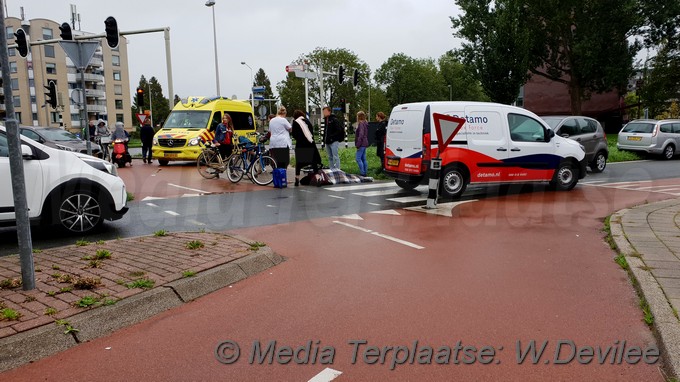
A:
(258, 89)
(259, 97)
(263, 111)
(141, 117)
(80, 52)
(446, 127)
(292, 68)
(303, 74)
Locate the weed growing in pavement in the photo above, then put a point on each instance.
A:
(87, 282)
(137, 274)
(87, 301)
(109, 302)
(29, 299)
(8, 314)
(130, 196)
(202, 230)
(82, 243)
(50, 311)
(195, 244)
(101, 242)
(37, 250)
(94, 264)
(160, 233)
(621, 261)
(256, 245)
(120, 282)
(646, 311)
(10, 283)
(102, 254)
(52, 293)
(55, 267)
(62, 278)
(144, 283)
(38, 269)
(65, 289)
(69, 329)
(186, 274)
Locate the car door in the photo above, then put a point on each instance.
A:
(487, 139)
(530, 156)
(34, 184)
(587, 136)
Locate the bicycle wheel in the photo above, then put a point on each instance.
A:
(262, 170)
(235, 168)
(206, 163)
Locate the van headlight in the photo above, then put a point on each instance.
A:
(194, 142)
(155, 141)
(101, 165)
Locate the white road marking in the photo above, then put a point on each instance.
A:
(188, 188)
(387, 212)
(594, 182)
(669, 189)
(374, 204)
(388, 237)
(442, 209)
(194, 222)
(173, 213)
(152, 205)
(190, 195)
(336, 197)
(362, 186)
(270, 206)
(152, 198)
(409, 199)
(378, 193)
(350, 217)
(306, 191)
(326, 375)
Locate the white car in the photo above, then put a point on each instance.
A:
(71, 190)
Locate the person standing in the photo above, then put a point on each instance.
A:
(380, 134)
(361, 143)
(333, 135)
(280, 143)
(224, 134)
(146, 134)
(306, 153)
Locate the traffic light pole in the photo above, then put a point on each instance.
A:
(16, 167)
(83, 107)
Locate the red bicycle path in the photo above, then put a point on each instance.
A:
(524, 267)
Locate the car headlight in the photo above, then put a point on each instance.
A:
(194, 142)
(102, 166)
(582, 147)
(155, 141)
(66, 148)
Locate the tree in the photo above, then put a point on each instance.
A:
(261, 79)
(462, 79)
(498, 47)
(154, 100)
(661, 80)
(406, 79)
(292, 92)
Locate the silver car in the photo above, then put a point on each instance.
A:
(651, 136)
(586, 131)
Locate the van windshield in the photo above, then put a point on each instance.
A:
(639, 127)
(187, 119)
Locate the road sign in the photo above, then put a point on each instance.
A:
(263, 111)
(292, 68)
(258, 89)
(303, 74)
(259, 97)
(141, 117)
(446, 127)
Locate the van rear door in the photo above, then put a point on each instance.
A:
(404, 144)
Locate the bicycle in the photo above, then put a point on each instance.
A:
(253, 161)
(209, 162)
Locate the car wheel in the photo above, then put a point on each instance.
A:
(565, 177)
(599, 162)
(669, 152)
(163, 162)
(79, 212)
(407, 184)
(453, 182)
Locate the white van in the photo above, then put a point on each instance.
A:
(496, 144)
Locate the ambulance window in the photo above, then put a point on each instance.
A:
(525, 129)
(216, 120)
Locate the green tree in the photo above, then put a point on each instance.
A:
(462, 79)
(498, 45)
(292, 92)
(406, 79)
(661, 80)
(261, 79)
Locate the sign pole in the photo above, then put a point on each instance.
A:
(446, 128)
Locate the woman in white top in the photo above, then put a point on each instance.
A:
(280, 143)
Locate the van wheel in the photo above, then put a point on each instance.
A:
(78, 212)
(407, 184)
(453, 182)
(599, 162)
(565, 177)
(163, 162)
(669, 152)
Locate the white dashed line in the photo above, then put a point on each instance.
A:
(194, 222)
(173, 213)
(388, 237)
(188, 188)
(326, 375)
(152, 205)
(336, 197)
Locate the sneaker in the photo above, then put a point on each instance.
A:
(143, 159)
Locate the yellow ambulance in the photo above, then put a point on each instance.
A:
(196, 117)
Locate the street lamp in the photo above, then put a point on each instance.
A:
(450, 93)
(252, 83)
(211, 4)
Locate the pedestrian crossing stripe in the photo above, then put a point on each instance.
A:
(640, 185)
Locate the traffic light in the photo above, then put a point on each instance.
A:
(22, 43)
(51, 95)
(66, 34)
(356, 77)
(140, 97)
(341, 74)
(111, 30)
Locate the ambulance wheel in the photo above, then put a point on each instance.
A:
(565, 177)
(407, 184)
(163, 162)
(453, 182)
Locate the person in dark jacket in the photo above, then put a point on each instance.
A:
(361, 143)
(333, 135)
(146, 134)
(380, 134)
(306, 153)
(224, 133)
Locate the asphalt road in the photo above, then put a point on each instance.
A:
(233, 208)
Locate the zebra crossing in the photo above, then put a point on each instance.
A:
(639, 185)
(385, 189)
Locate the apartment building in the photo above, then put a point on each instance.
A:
(107, 82)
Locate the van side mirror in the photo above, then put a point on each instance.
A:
(551, 135)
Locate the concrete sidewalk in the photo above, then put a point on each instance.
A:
(88, 290)
(649, 237)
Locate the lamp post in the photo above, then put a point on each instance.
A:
(252, 96)
(211, 4)
(450, 93)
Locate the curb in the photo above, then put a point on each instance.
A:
(49, 339)
(666, 324)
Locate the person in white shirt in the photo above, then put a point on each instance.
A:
(280, 142)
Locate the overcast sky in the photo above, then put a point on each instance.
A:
(265, 34)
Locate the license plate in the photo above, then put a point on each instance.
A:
(393, 162)
(170, 155)
(634, 138)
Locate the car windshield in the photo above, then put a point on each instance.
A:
(552, 122)
(191, 119)
(58, 135)
(639, 127)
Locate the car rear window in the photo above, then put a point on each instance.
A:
(639, 127)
